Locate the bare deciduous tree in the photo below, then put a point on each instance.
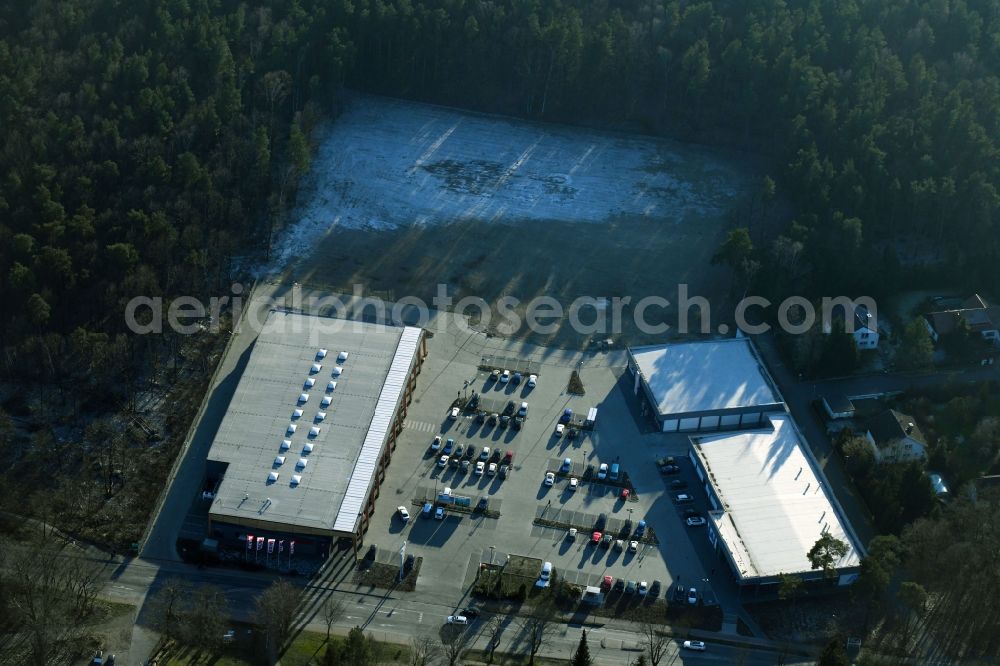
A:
(536, 627)
(333, 610)
(493, 629)
(276, 608)
(454, 643)
(654, 642)
(423, 650)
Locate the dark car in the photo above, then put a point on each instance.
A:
(691, 513)
(654, 589)
(631, 587)
(678, 484)
(504, 421)
(495, 456)
(481, 417)
(567, 415)
(483, 504)
(670, 469)
(606, 541)
(458, 451)
(602, 522)
(516, 379)
(509, 409)
(471, 613)
(470, 452)
(619, 585)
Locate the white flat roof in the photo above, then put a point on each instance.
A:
(774, 505)
(701, 376)
(326, 492)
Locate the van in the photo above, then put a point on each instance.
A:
(614, 472)
(545, 575)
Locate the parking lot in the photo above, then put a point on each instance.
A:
(453, 547)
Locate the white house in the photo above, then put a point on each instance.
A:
(894, 437)
(865, 329)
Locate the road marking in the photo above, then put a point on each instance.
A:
(419, 426)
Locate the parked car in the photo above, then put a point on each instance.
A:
(606, 541)
(532, 381)
(692, 597)
(560, 428)
(436, 443)
(98, 659)
(439, 513)
(516, 379)
(602, 471)
(567, 465)
(481, 417)
(459, 451)
(491, 470)
(480, 468)
(690, 513)
(683, 498)
(607, 583)
(550, 478)
(483, 504)
(457, 619)
(695, 521)
(625, 493)
(508, 458)
(449, 446)
(678, 484)
(523, 410)
(443, 461)
(631, 587)
(641, 529)
(471, 613)
(619, 544)
(633, 546)
(505, 376)
(643, 588)
(571, 534)
(485, 455)
(504, 471)
(654, 589)
(404, 515)
(495, 456)
(426, 511)
(504, 421)
(453, 414)
(602, 522)
(574, 483)
(619, 585)
(567, 415)
(670, 469)
(694, 645)
(595, 538)
(545, 573)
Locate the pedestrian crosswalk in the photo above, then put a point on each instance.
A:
(419, 426)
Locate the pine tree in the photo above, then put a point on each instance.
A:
(582, 656)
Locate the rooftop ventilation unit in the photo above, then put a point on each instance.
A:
(321, 354)
(316, 367)
(301, 464)
(296, 413)
(337, 370)
(325, 402)
(320, 416)
(291, 429)
(307, 448)
(296, 478)
(279, 460)
(285, 443)
(272, 477)
(314, 431)
(303, 398)
(331, 386)
(341, 357)
(309, 383)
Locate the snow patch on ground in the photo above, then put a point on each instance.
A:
(385, 164)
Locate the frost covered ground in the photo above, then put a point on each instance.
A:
(403, 196)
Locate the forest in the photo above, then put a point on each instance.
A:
(154, 147)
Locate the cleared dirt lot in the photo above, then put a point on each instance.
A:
(405, 196)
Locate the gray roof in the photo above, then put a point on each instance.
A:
(890, 425)
(839, 403)
(695, 377)
(340, 468)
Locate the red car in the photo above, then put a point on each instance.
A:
(607, 582)
(625, 493)
(596, 538)
(508, 458)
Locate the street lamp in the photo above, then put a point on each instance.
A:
(492, 548)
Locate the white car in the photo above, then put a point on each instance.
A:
(695, 521)
(602, 471)
(443, 461)
(532, 380)
(633, 546)
(436, 444)
(559, 429)
(574, 483)
(545, 575)
(485, 455)
(550, 478)
(403, 513)
(572, 534)
(454, 413)
(694, 645)
(643, 587)
(480, 467)
(491, 470)
(505, 376)
(457, 619)
(693, 596)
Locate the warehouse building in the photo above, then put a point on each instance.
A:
(303, 447)
(703, 386)
(769, 504)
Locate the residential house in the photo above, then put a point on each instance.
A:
(895, 437)
(865, 329)
(838, 406)
(975, 312)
